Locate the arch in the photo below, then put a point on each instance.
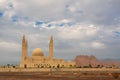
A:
(25, 65)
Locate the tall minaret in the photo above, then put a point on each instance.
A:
(51, 52)
(24, 48)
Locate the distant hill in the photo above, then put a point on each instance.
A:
(85, 60)
(110, 62)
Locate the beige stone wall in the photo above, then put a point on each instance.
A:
(57, 69)
(47, 63)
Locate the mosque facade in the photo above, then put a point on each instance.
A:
(38, 60)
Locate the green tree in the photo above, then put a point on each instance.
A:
(70, 66)
(90, 66)
(98, 66)
(58, 66)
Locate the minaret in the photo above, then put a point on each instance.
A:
(24, 48)
(26, 45)
(51, 52)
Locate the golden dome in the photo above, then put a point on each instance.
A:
(37, 52)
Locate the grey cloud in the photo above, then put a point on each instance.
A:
(102, 12)
(96, 11)
(92, 21)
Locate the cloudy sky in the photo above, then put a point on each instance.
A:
(79, 27)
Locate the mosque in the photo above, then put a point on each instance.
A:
(38, 60)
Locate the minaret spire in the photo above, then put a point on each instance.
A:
(24, 47)
(51, 49)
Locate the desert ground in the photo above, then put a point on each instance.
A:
(59, 75)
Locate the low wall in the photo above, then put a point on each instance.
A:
(57, 69)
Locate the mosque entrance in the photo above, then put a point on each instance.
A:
(25, 66)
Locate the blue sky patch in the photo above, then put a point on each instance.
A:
(38, 22)
(15, 18)
(49, 25)
(1, 14)
(11, 5)
(117, 34)
(61, 24)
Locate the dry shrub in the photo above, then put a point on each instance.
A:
(115, 75)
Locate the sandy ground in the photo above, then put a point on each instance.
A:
(56, 76)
